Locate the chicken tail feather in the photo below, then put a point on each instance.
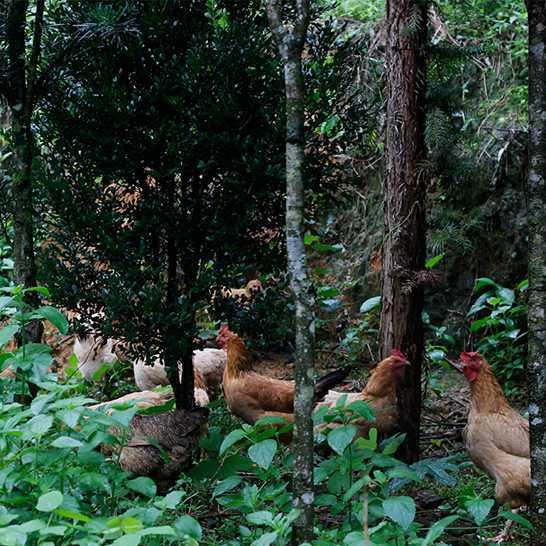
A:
(330, 380)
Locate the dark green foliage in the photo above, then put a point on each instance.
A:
(165, 162)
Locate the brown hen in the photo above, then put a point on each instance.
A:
(496, 436)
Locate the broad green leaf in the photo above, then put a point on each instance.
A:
(355, 488)
(8, 332)
(262, 453)
(437, 529)
(479, 509)
(523, 285)
(162, 530)
(66, 441)
(42, 290)
(266, 539)
(40, 424)
(57, 530)
(310, 239)
(401, 510)
(483, 282)
(144, 486)
(173, 499)
(226, 485)
(232, 438)
(327, 292)
(12, 536)
(429, 264)
(55, 317)
(132, 539)
(49, 501)
(260, 518)
(362, 409)
(70, 514)
(518, 518)
(370, 304)
(6, 301)
(186, 525)
(341, 437)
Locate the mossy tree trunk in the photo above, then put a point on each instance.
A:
(536, 188)
(290, 38)
(19, 90)
(404, 194)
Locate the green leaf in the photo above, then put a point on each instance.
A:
(69, 514)
(362, 409)
(401, 510)
(260, 518)
(523, 285)
(327, 292)
(162, 530)
(437, 529)
(262, 453)
(7, 301)
(40, 424)
(518, 518)
(57, 530)
(477, 325)
(49, 501)
(173, 499)
(144, 486)
(42, 290)
(479, 509)
(390, 446)
(429, 264)
(355, 488)
(370, 304)
(8, 332)
(341, 437)
(232, 438)
(186, 525)
(66, 441)
(132, 539)
(226, 485)
(310, 239)
(266, 539)
(55, 317)
(483, 282)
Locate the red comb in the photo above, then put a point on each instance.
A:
(471, 355)
(397, 353)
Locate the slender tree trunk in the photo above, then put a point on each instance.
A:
(176, 351)
(536, 188)
(290, 40)
(21, 101)
(404, 189)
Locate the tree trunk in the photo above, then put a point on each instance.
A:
(536, 188)
(176, 351)
(20, 97)
(290, 39)
(404, 247)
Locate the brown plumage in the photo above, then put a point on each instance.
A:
(496, 436)
(379, 393)
(241, 295)
(250, 395)
(176, 432)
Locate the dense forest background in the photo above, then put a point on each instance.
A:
(149, 138)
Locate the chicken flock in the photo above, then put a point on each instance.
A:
(496, 436)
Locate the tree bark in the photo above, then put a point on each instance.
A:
(290, 39)
(536, 188)
(177, 340)
(20, 96)
(404, 247)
